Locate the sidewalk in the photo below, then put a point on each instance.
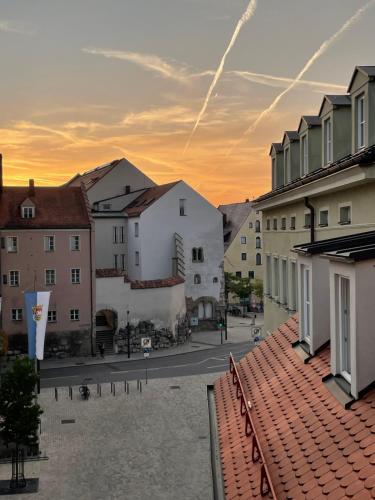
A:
(238, 331)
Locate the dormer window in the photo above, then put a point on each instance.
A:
(361, 123)
(274, 173)
(327, 130)
(287, 165)
(28, 212)
(304, 155)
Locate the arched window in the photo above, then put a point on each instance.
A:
(257, 226)
(258, 259)
(258, 243)
(197, 279)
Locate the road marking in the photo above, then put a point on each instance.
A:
(217, 366)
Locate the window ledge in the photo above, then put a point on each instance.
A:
(344, 223)
(323, 225)
(292, 228)
(340, 389)
(307, 227)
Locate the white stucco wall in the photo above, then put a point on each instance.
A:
(162, 306)
(104, 247)
(200, 227)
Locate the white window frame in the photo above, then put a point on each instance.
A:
(293, 285)
(305, 226)
(342, 350)
(327, 141)
(115, 261)
(306, 302)
(269, 274)
(27, 212)
(284, 282)
(73, 247)
(343, 205)
(18, 314)
(136, 258)
(47, 239)
(360, 121)
(243, 240)
(45, 276)
(18, 277)
(123, 261)
(72, 274)
(290, 222)
(50, 314)
(73, 315)
(323, 209)
(276, 277)
(10, 247)
(304, 155)
(287, 164)
(114, 234)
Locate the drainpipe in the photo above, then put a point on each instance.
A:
(312, 219)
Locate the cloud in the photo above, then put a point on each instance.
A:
(283, 82)
(246, 16)
(16, 27)
(168, 115)
(317, 54)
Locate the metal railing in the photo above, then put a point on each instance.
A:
(257, 456)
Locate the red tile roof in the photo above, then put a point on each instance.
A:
(147, 198)
(313, 447)
(111, 273)
(55, 207)
(166, 282)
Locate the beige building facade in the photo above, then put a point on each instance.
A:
(330, 199)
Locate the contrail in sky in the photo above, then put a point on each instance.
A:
(322, 49)
(246, 16)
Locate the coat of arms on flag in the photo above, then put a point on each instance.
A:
(37, 312)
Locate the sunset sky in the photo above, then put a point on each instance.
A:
(84, 82)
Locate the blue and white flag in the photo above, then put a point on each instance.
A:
(36, 315)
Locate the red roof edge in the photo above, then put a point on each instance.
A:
(162, 283)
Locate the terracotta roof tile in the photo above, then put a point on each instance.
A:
(313, 447)
(147, 198)
(162, 283)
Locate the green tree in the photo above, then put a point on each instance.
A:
(19, 411)
(258, 289)
(240, 287)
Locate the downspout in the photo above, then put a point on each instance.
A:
(312, 219)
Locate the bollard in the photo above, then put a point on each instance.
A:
(71, 392)
(140, 386)
(137, 385)
(114, 388)
(56, 394)
(127, 388)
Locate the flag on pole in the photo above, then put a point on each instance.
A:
(36, 315)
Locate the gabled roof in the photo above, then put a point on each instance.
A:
(368, 71)
(312, 446)
(55, 207)
(311, 121)
(91, 177)
(292, 135)
(336, 101)
(147, 198)
(236, 215)
(277, 146)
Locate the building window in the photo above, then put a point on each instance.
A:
(75, 243)
(251, 275)
(293, 222)
(76, 276)
(123, 262)
(273, 173)
(287, 165)
(258, 242)
(268, 224)
(137, 258)
(12, 244)
(121, 234)
(136, 229)
(283, 223)
(258, 259)
(197, 254)
(342, 313)
(250, 225)
(197, 279)
(268, 275)
(16, 314)
(114, 231)
(304, 155)
(243, 240)
(115, 263)
(275, 224)
(276, 278)
(215, 280)
(306, 303)
(238, 274)
(361, 123)
(257, 226)
(284, 281)
(52, 316)
(307, 224)
(28, 212)
(243, 256)
(127, 189)
(14, 278)
(327, 126)
(345, 214)
(49, 243)
(182, 207)
(293, 286)
(74, 315)
(323, 218)
(50, 277)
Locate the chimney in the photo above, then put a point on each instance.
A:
(1, 173)
(31, 187)
(247, 200)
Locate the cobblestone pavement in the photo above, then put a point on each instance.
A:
(142, 446)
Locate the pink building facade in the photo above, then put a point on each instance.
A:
(47, 244)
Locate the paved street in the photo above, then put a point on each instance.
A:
(152, 445)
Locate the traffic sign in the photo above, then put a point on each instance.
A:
(146, 343)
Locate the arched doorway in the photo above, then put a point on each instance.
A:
(106, 327)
